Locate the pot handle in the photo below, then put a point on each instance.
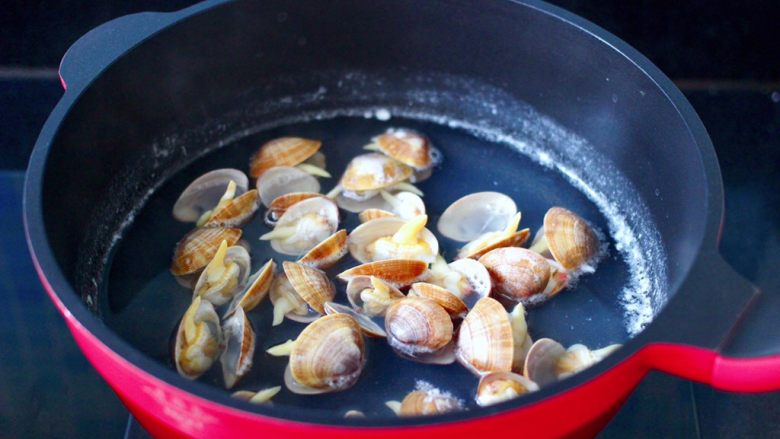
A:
(101, 46)
(724, 333)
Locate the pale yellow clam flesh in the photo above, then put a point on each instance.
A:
(198, 339)
(303, 226)
(498, 387)
(224, 275)
(371, 295)
(393, 238)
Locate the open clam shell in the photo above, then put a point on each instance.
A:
(198, 339)
(445, 298)
(369, 327)
(518, 274)
(311, 284)
(379, 239)
(476, 214)
(280, 204)
(420, 329)
(224, 275)
(284, 180)
(371, 296)
(498, 387)
(358, 202)
(407, 146)
(284, 151)
(239, 349)
(372, 214)
(205, 192)
(568, 238)
(327, 356)
(288, 303)
(516, 239)
(327, 253)
(405, 205)
(485, 342)
(478, 282)
(368, 172)
(542, 360)
(426, 402)
(198, 248)
(399, 273)
(303, 226)
(256, 289)
(236, 212)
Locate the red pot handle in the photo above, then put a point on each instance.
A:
(724, 333)
(103, 45)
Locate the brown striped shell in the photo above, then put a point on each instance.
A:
(417, 326)
(426, 403)
(311, 284)
(516, 239)
(373, 171)
(485, 343)
(327, 356)
(328, 252)
(406, 146)
(239, 349)
(445, 298)
(569, 238)
(399, 273)
(198, 248)
(206, 191)
(372, 214)
(255, 290)
(236, 212)
(284, 151)
(367, 325)
(518, 273)
(280, 204)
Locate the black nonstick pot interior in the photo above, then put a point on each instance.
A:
(518, 100)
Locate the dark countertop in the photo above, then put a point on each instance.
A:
(47, 388)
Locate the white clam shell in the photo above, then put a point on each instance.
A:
(476, 214)
(205, 191)
(307, 234)
(239, 349)
(478, 278)
(282, 180)
(206, 351)
(219, 296)
(369, 232)
(357, 203)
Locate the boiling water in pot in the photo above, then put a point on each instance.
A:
(144, 302)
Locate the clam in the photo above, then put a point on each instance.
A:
(310, 287)
(446, 299)
(393, 238)
(548, 361)
(399, 273)
(367, 325)
(475, 214)
(521, 275)
(372, 214)
(498, 387)
(408, 147)
(231, 211)
(239, 349)
(280, 204)
(205, 192)
(327, 356)
(197, 339)
(224, 274)
(371, 295)
(425, 401)
(287, 302)
(466, 278)
(286, 151)
(198, 248)
(327, 253)
(255, 290)
(260, 397)
(420, 329)
(567, 238)
(509, 237)
(372, 172)
(485, 340)
(284, 180)
(303, 226)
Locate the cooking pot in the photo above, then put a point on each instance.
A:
(148, 93)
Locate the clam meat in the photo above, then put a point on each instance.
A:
(303, 226)
(300, 293)
(198, 339)
(206, 191)
(224, 275)
(466, 278)
(393, 238)
(548, 361)
(197, 249)
(371, 295)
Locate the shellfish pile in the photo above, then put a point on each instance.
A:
(401, 289)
